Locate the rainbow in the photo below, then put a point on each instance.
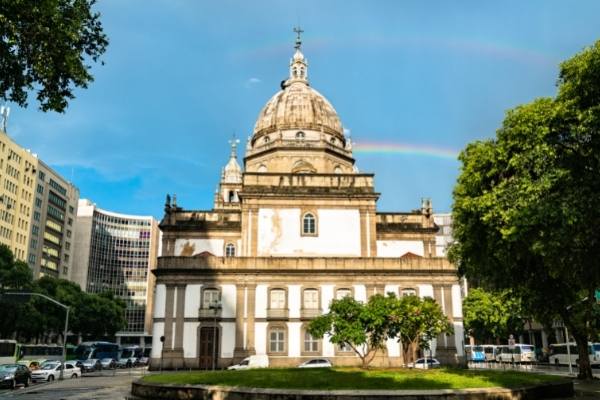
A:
(401, 148)
(468, 46)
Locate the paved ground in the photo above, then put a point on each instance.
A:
(105, 386)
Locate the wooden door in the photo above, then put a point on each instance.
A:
(209, 346)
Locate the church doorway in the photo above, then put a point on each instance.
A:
(209, 347)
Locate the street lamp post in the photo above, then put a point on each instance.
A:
(64, 357)
(216, 306)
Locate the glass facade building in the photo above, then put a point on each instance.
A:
(121, 251)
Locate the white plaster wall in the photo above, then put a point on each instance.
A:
(328, 347)
(459, 334)
(398, 248)
(260, 301)
(197, 246)
(360, 293)
(192, 301)
(425, 291)
(456, 302)
(294, 338)
(159, 301)
(392, 289)
(326, 297)
(227, 338)
(260, 338)
(228, 293)
(294, 298)
(190, 339)
(393, 348)
(157, 331)
(279, 233)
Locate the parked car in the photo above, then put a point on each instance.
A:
(252, 362)
(108, 363)
(143, 360)
(124, 363)
(421, 363)
(12, 375)
(316, 363)
(89, 365)
(51, 371)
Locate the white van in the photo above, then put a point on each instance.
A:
(252, 362)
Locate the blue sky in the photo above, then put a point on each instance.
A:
(180, 77)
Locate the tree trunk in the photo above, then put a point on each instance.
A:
(585, 369)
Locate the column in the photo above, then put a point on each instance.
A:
(250, 318)
(179, 318)
(170, 299)
(239, 351)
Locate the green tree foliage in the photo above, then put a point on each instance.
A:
(45, 46)
(526, 204)
(35, 318)
(365, 327)
(415, 322)
(491, 316)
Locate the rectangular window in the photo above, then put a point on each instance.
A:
(56, 200)
(38, 202)
(71, 209)
(67, 246)
(42, 175)
(210, 297)
(409, 292)
(277, 299)
(55, 212)
(56, 186)
(341, 293)
(40, 189)
(311, 299)
(51, 238)
(36, 216)
(277, 340)
(310, 343)
(53, 225)
(68, 233)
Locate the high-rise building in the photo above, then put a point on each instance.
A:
(37, 209)
(116, 252)
(52, 224)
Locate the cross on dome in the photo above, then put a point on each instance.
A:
(298, 65)
(233, 143)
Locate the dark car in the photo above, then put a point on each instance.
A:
(12, 375)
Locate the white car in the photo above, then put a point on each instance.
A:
(316, 363)
(420, 363)
(251, 362)
(51, 371)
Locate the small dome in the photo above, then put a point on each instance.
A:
(298, 106)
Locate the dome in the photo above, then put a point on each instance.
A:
(298, 106)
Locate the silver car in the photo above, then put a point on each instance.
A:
(316, 363)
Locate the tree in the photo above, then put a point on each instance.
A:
(415, 322)
(489, 316)
(526, 204)
(362, 327)
(45, 45)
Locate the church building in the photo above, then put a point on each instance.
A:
(294, 228)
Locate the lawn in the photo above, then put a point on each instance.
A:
(354, 378)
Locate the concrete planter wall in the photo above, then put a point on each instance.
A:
(151, 391)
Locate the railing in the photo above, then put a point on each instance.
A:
(278, 313)
(310, 312)
(209, 313)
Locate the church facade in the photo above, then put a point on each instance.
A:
(296, 227)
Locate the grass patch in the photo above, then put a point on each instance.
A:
(354, 378)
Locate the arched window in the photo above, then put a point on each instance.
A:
(344, 292)
(267, 139)
(311, 299)
(337, 169)
(230, 250)
(300, 135)
(231, 196)
(409, 292)
(277, 300)
(309, 224)
(262, 168)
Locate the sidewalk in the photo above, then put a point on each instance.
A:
(587, 389)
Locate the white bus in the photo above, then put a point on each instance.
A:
(519, 353)
(490, 351)
(559, 355)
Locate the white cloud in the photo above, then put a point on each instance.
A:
(252, 82)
